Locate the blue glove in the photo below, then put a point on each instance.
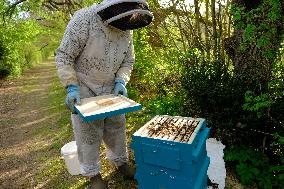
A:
(119, 88)
(73, 96)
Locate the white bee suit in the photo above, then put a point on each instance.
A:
(92, 55)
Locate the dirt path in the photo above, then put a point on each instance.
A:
(24, 110)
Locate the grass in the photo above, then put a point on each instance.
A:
(53, 173)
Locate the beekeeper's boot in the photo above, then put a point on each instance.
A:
(97, 183)
(127, 170)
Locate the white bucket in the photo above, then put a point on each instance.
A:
(69, 152)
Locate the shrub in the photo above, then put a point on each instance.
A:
(252, 166)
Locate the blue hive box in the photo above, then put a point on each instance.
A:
(174, 159)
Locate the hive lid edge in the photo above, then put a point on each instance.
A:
(196, 130)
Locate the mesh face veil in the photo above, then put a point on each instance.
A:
(125, 15)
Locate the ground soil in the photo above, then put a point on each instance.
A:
(23, 111)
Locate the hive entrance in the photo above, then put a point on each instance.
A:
(176, 129)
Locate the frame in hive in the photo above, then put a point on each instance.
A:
(100, 107)
(176, 129)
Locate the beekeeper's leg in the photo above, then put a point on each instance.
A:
(88, 138)
(115, 140)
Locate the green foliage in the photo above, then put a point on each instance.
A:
(142, 83)
(278, 145)
(18, 51)
(260, 30)
(211, 90)
(254, 167)
(258, 100)
(171, 104)
(30, 33)
(257, 103)
(155, 78)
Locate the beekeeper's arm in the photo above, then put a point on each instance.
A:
(73, 42)
(124, 72)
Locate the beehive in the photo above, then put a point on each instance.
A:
(170, 153)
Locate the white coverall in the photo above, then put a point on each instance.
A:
(92, 55)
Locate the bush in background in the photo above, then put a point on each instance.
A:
(18, 50)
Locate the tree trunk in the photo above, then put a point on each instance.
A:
(213, 12)
(197, 20)
(220, 31)
(252, 67)
(207, 40)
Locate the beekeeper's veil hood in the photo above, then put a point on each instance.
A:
(125, 14)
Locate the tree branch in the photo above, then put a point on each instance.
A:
(13, 6)
(10, 10)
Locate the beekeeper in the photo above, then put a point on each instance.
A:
(95, 58)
